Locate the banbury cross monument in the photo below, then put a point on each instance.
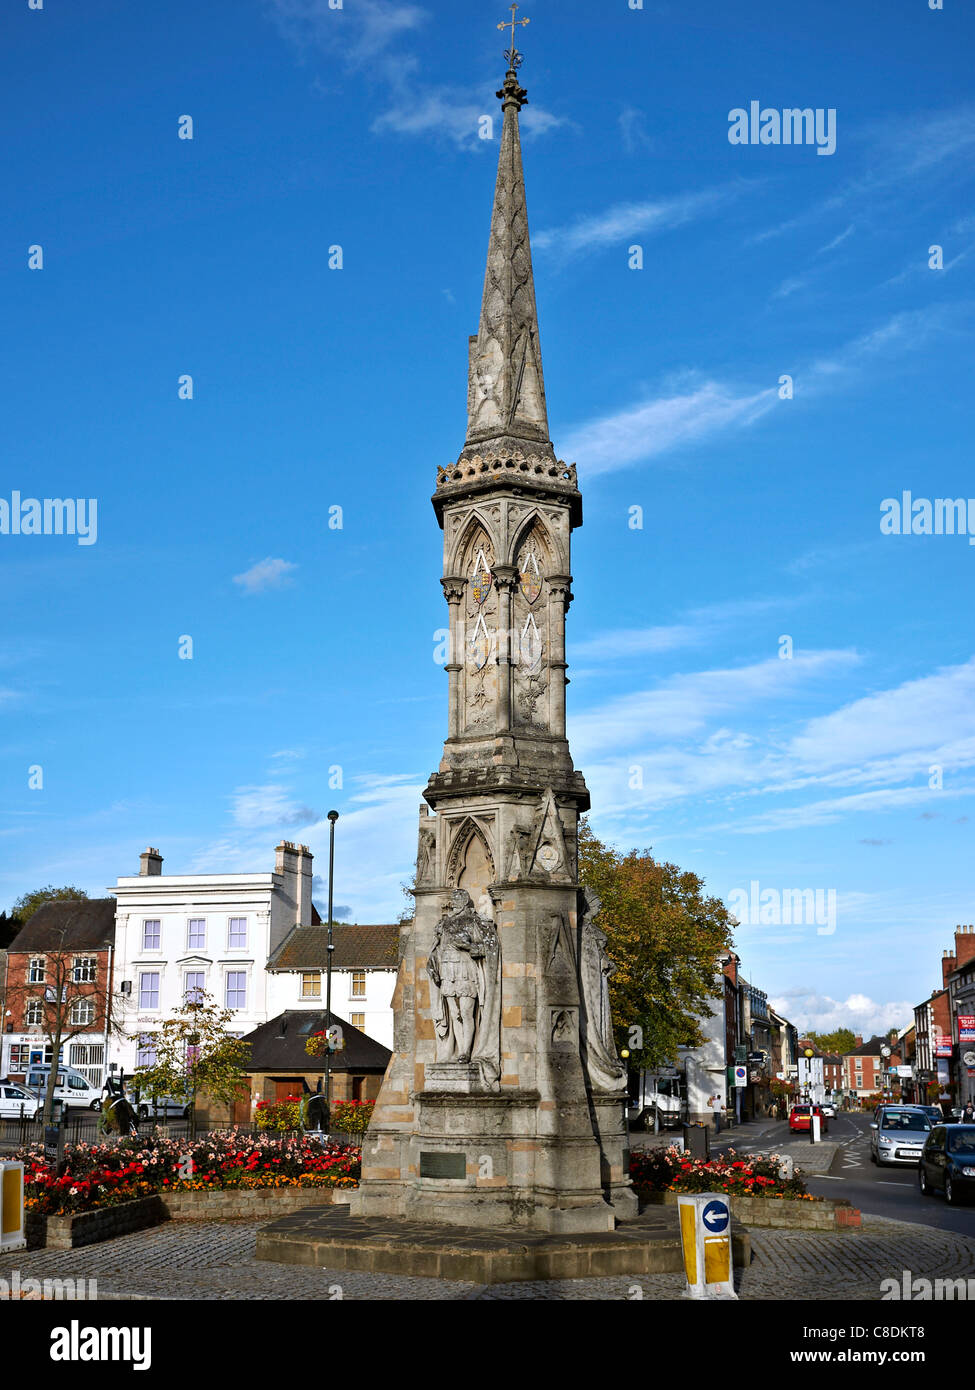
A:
(503, 1101)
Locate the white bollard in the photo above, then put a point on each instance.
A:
(814, 1123)
(705, 1233)
(12, 1207)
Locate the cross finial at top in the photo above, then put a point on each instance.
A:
(512, 54)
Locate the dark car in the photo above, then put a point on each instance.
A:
(948, 1162)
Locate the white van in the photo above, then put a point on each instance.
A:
(71, 1088)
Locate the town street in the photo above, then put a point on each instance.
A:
(878, 1191)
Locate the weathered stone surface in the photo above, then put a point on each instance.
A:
(648, 1245)
(503, 1053)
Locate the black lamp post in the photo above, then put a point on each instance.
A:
(332, 818)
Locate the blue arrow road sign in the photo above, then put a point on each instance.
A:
(715, 1216)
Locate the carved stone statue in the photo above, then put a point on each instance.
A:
(426, 850)
(606, 1071)
(463, 968)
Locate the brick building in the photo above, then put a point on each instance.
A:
(60, 964)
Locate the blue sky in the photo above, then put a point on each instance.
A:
(313, 647)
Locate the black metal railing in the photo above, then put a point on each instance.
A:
(18, 1133)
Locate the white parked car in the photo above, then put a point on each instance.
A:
(16, 1102)
(828, 1110)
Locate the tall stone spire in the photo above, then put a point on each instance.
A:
(506, 391)
(503, 1100)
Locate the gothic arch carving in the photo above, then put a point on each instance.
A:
(469, 835)
(474, 523)
(535, 523)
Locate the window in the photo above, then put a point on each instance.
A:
(34, 1013)
(36, 972)
(236, 989)
(83, 972)
(196, 933)
(357, 1020)
(237, 935)
(146, 1052)
(151, 935)
(149, 989)
(82, 1013)
(194, 987)
(19, 1057)
(358, 984)
(311, 985)
(89, 1059)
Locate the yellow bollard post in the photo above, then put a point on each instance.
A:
(705, 1232)
(12, 1207)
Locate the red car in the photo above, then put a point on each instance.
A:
(799, 1118)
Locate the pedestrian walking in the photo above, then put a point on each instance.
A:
(968, 1114)
(715, 1103)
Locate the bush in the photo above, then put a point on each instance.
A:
(756, 1175)
(352, 1116)
(281, 1115)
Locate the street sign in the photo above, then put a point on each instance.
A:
(741, 1076)
(715, 1217)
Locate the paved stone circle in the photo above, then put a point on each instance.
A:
(214, 1260)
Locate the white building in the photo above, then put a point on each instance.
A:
(364, 964)
(176, 933)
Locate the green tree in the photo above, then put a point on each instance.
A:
(28, 903)
(664, 937)
(840, 1041)
(194, 1053)
(9, 927)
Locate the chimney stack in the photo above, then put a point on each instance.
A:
(857, 1041)
(964, 945)
(150, 862)
(305, 858)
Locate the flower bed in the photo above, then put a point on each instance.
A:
(671, 1170)
(137, 1166)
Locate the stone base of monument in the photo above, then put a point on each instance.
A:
(332, 1238)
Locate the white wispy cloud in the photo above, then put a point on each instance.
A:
(811, 1011)
(633, 130)
(700, 626)
(374, 35)
(268, 805)
(655, 426)
(837, 240)
(681, 706)
(625, 220)
(692, 410)
(897, 151)
(266, 574)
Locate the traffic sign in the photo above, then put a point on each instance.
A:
(715, 1217)
(741, 1076)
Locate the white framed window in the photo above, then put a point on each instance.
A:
(149, 989)
(35, 974)
(311, 984)
(196, 933)
(194, 986)
(357, 1020)
(358, 984)
(146, 1052)
(84, 970)
(237, 931)
(151, 934)
(236, 997)
(82, 1013)
(34, 1013)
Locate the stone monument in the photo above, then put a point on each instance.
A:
(503, 1103)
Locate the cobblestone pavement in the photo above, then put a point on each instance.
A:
(206, 1261)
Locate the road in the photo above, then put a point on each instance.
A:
(879, 1191)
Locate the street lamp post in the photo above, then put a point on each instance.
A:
(332, 818)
